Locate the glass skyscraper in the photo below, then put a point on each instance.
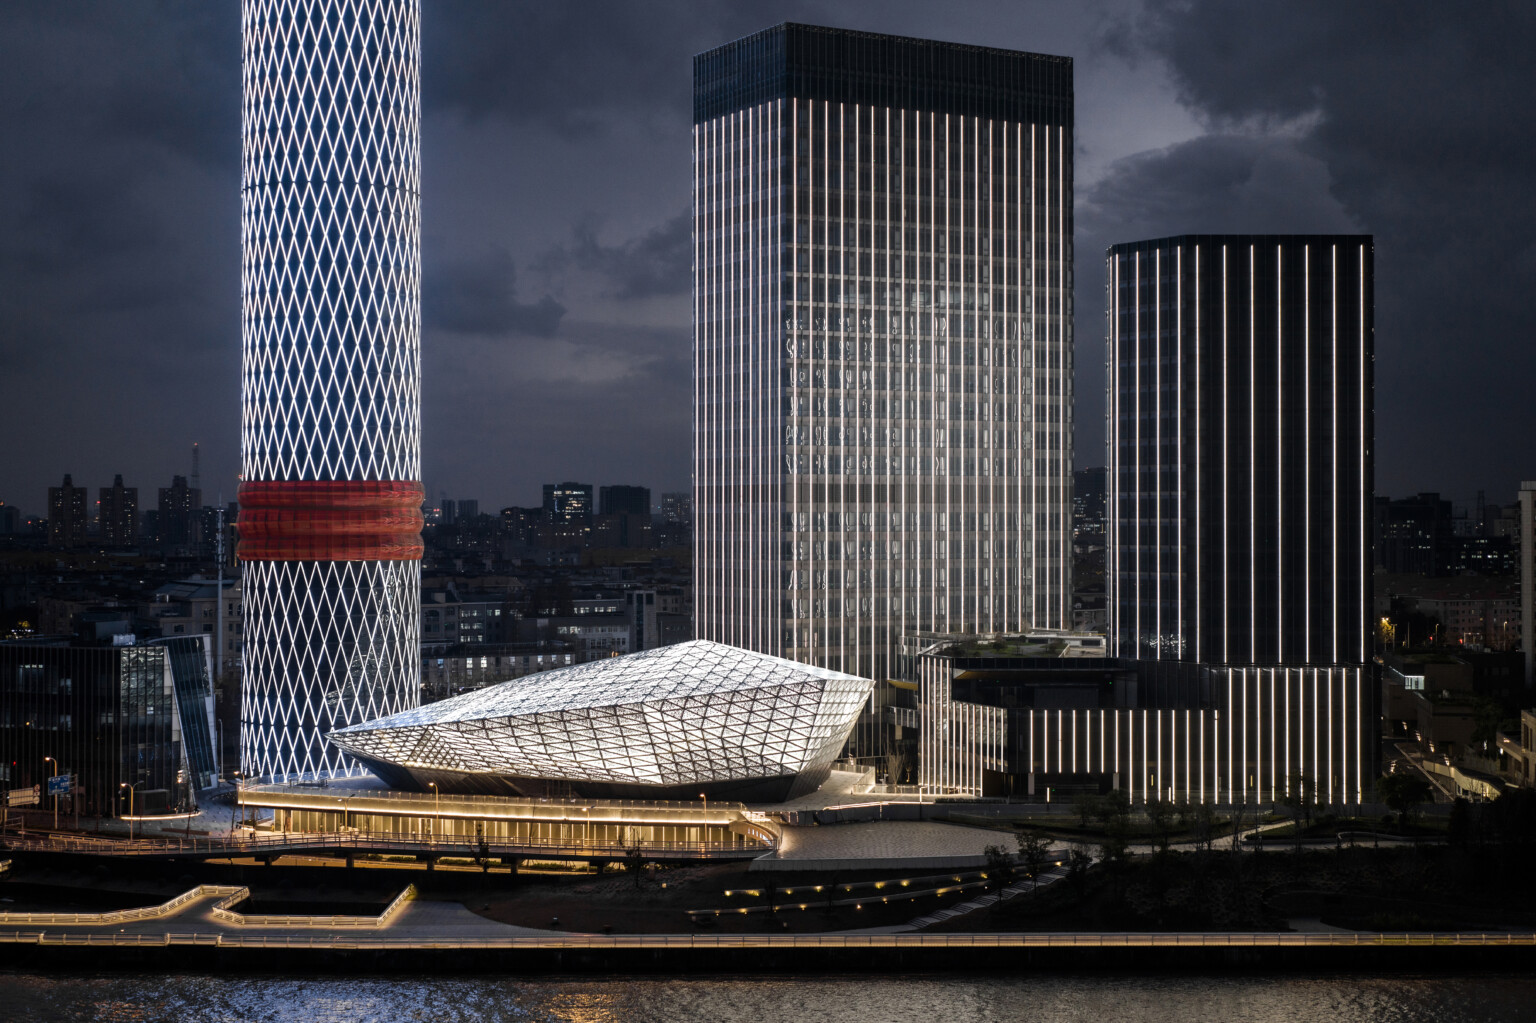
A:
(330, 492)
(1240, 496)
(883, 343)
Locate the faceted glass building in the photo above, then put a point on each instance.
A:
(669, 723)
(1240, 497)
(883, 343)
(330, 499)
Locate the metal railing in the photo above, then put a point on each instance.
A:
(904, 939)
(448, 845)
(360, 795)
(122, 916)
(223, 912)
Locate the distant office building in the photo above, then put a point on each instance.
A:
(114, 715)
(11, 519)
(570, 510)
(469, 510)
(66, 514)
(677, 508)
(675, 526)
(622, 500)
(883, 343)
(118, 507)
(1414, 535)
(1088, 490)
(1240, 500)
(1528, 579)
(179, 521)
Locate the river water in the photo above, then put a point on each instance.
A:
(187, 998)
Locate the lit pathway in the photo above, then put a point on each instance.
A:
(1047, 879)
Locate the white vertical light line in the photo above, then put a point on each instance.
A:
(1253, 469)
(802, 447)
(845, 621)
(1306, 449)
(1226, 481)
(1199, 493)
(1137, 489)
(1279, 456)
(1036, 398)
(1112, 450)
(1157, 451)
(1363, 562)
(1333, 377)
(1180, 647)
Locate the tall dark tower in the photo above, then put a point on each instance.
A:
(330, 498)
(1240, 495)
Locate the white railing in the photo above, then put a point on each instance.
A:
(385, 842)
(120, 916)
(905, 939)
(223, 913)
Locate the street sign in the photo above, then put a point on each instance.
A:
(59, 785)
(24, 797)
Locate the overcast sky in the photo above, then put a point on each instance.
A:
(556, 163)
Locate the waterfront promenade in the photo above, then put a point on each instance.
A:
(434, 925)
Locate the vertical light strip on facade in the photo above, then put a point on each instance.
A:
(909, 397)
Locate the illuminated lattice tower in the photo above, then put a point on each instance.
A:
(330, 499)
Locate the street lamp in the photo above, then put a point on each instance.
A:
(437, 808)
(130, 788)
(55, 764)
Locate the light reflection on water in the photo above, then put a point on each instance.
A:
(1043, 999)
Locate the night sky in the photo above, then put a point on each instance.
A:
(556, 165)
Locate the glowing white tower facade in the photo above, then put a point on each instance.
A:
(883, 343)
(330, 498)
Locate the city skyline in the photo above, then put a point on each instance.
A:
(564, 284)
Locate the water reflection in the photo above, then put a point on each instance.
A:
(206, 999)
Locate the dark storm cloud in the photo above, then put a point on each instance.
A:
(1415, 112)
(659, 262)
(576, 66)
(557, 252)
(477, 295)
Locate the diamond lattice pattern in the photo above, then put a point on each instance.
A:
(686, 714)
(326, 644)
(331, 232)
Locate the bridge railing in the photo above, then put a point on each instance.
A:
(357, 842)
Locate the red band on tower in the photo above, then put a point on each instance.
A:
(330, 520)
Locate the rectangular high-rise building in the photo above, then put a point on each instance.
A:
(118, 507)
(1241, 504)
(883, 343)
(66, 514)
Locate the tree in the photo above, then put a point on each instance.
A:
(634, 860)
(1078, 861)
(1160, 812)
(1298, 799)
(1034, 854)
(1113, 808)
(1201, 817)
(999, 866)
(1403, 791)
(1087, 806)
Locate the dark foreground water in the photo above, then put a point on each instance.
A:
(1092, 999)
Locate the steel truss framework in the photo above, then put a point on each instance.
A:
(693, 713)
(331, 282)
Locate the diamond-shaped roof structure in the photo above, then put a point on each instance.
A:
(696, 715)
